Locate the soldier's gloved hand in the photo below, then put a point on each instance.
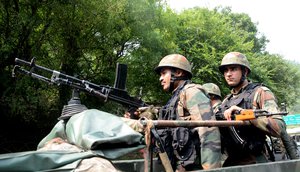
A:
(149, 112)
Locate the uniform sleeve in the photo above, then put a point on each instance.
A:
(198, 105)
(273, 125)
(134, 124)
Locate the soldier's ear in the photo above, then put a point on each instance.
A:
(180, 72)
(246, 71)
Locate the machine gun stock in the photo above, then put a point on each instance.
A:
(117, 93)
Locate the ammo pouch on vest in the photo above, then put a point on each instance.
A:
(177, 141)
(182, 143)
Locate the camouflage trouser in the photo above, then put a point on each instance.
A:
(93, 164)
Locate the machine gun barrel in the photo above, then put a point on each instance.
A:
(117, 93)
(35, 66)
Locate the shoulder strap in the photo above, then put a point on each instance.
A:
(224, 104)
(249, 94)
(169, 111)
(245, 99)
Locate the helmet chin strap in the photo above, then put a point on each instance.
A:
(172, 81)
(174, 78)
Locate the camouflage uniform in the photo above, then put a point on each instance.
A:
(188, 102)
(193, 104)
(215, 95)
(246, 144)
(216, 106)
(265, 99)
(253, 149)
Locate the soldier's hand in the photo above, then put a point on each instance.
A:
(229, 112)
(149, 112)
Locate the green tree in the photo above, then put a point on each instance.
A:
(280, 75)
(205, 36)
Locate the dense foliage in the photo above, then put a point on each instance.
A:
(88, 38)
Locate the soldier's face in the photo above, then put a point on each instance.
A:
(233, 75)
(165, 78)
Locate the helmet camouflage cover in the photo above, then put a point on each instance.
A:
(176, 61)
(234, 58)
(212, 88)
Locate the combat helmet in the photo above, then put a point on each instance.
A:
(234, 58)
(212, 88)
(176, 61)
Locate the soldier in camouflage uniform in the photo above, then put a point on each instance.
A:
(214, 94)
(188, 102)
(246, 144)
(215, 97)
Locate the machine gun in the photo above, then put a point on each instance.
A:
(117, 93)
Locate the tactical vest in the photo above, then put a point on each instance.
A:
(242, 139)
(179, 142)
